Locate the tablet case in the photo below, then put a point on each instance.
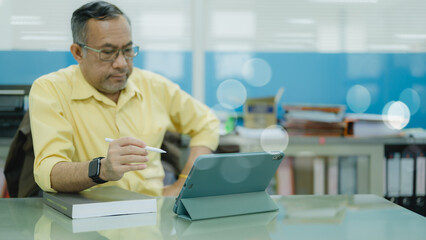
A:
(230, 184)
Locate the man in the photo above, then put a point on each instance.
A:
(73, 110)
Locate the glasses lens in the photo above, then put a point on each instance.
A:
(108, 55)
(135, 51)
(131, 52)
(111, 55)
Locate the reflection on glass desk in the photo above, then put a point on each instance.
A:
(299, 217)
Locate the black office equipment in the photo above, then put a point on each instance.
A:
(12, 108)
(407, 188)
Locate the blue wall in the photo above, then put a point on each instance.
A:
(307, 77)
(326, 78)
(23, 67)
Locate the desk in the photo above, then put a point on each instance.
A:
(299, 217)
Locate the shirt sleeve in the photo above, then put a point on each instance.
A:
(51, 132)
(194, 118)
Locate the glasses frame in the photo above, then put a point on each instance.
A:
(117, 52)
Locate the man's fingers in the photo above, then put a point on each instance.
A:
(124, 155)
(114, 168)
(133, 150)
(128, 159)
(126, 141)
(133, 167)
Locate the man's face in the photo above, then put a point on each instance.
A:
(107, 77)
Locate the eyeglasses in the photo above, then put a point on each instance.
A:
(109, 55)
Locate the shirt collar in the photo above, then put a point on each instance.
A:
(83, 90)
(129, 91)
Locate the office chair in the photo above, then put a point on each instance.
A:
(18, 170)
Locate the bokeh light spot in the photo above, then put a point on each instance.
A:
(411, 98)
(231, 94)
(396, 115)
(228, 173)
(227, 118)
(358, 98)
(274, 138)
(257, 72)
(204, 164)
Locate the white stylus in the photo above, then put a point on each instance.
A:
(153, 149)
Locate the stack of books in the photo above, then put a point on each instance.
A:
(314, 120)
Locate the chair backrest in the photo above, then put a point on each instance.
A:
(19, 166)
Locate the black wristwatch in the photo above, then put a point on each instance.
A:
(95, 170)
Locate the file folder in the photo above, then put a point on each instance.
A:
(420, 205)
(393, 175)
(406, 182)
(221, 185)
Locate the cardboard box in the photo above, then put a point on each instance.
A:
(260, 112)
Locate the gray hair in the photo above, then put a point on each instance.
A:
(99, 10)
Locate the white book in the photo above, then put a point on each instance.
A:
(100, 223)
(99, 202)
(370, 125)
(393, 175)
(333, 176)
(421, 176)
(407, 176)
(319, 176)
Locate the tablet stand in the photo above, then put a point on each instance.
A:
(226, 205)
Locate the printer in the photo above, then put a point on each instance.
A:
(13, 105)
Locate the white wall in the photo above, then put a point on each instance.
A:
(265, 25)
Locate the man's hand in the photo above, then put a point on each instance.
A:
(124, 155)
(174, 189)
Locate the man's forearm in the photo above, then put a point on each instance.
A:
(70, 177)
(124, 155)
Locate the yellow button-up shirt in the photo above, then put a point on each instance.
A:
(70, 120)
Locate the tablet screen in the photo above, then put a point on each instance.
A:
(221, 174)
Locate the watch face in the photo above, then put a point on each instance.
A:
(94, 168)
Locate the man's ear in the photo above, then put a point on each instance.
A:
(77, 52)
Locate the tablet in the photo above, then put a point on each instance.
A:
(229, 174)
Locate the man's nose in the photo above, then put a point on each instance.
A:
(120, 61)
